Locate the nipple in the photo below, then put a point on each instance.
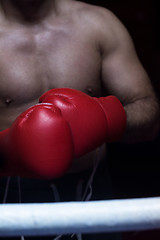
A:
(90, 90)
(8, 101)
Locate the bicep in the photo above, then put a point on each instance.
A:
(125, 77)
(122, 73)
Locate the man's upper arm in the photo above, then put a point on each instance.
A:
(122, 72)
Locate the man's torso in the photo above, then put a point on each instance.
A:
(35, 58)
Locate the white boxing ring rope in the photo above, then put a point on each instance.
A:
(79, 217)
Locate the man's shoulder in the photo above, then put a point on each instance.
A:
(96, 18)
(100, 24)
(93, 12)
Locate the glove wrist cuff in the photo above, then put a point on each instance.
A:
(116, 117)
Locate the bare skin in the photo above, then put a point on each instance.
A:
(64, 43)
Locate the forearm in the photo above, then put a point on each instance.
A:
(142, 120)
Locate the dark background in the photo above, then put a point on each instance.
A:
(135, 169)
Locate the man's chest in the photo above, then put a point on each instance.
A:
(30, 64)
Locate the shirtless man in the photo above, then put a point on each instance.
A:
(64, 43)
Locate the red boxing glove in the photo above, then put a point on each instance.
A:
(92, 121)
(38, 144)
(44, 139)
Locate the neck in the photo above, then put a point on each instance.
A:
(29, 10)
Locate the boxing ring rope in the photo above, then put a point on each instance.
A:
(79, 217)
